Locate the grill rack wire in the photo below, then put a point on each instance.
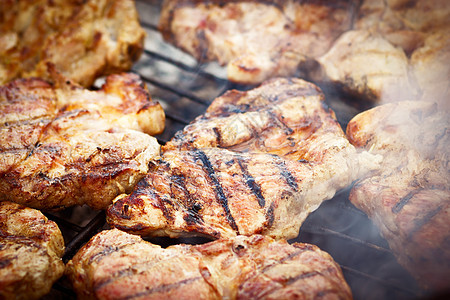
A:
(185, 87)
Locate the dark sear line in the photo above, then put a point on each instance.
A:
(129, 271)
(284, 259)
(403, 201)
(219, 193)
(287, 175)
(106, 252)
(419, 223)
(323, 293)
(251, 183)
(278, 120)
(164, 288)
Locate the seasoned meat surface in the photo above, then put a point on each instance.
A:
(83, 39)
(381, 51)
(117, 265)
(409, 197)
(64, 145)
(257, 40)
(31, 248)
(256, 162)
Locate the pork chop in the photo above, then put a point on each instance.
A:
(117, 265)
(63, 145)
(31, 248)
(83, 39)
(409, 196)
(257, 162)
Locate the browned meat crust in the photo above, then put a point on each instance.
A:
(257, 162)
(117, 265)
(64, 145)
(83, 39)
(257, 40)
(31, 248)
(372, 48)
(409, 197)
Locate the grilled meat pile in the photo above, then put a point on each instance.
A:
(379, 49)
(117, 265)
(62, 145)
(31, 248)
(257, 162)
(83, 39)
(409, 197)
(257, 40)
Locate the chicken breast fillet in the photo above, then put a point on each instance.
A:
(83, 39)
(117, 265)
(63, 145)
(31, 248)
(409, 197)
(257, 40)
(257, 162)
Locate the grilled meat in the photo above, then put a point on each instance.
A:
(257, 162)
(256, 40)
(365, 63)
(409, 197)
(374, 59)
(83, 39)
(63, 145)
(117, 265)
(362, 46)
(31, 248)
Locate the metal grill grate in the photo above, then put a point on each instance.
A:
(185, 88)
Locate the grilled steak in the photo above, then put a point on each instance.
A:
(31, 248)
(257, 162)
(409, 197)
(84, 39)
(257, 40)
(63, 145)
(117, 265)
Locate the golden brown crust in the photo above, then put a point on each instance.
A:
(257, 162)
(238, 268)
(408, 198)
(31, 248)
(83, 39)
(64, 145)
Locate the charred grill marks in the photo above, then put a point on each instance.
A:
(419, 223)
(251, 183)
(287, 175)
(164, 288)
(218, 190)
(403, 201)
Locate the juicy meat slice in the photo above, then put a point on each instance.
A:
(117, 265)
(409, 196)
(257, 162)
(83, 39)
(64, 145)
(31, 248)
(256, 40)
